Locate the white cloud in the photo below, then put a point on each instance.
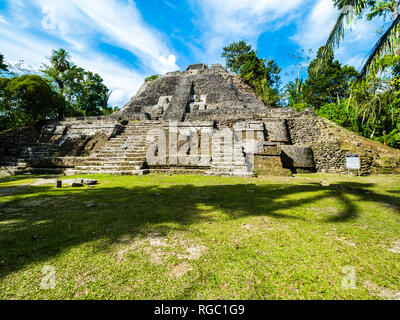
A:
(122, 80)
(315, 28)
(3, 20)
(81, 24)
(118, 23)
(223, 21)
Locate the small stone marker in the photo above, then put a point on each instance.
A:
(89, 182)
(77, 183)
(58, 184)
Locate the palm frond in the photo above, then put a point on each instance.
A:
(388, 43)
(348, 13)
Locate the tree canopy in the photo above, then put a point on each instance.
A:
(83, 91)
(261, 75)
(25, 101)
(61, 89)
(327, 83)
(235, 55)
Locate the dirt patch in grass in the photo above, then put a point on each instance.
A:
(159, 248)
(383, 293)
(193, 252)
(324, 210)
(396, 247)
(344, 241)
(156, 256)
(180, 270)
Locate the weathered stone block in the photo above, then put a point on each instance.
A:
(297, 156)
(269, 165)
(277, 131)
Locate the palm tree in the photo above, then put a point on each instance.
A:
(350, 10)
(60, 60)
(60, 63)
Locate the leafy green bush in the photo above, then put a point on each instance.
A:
(152, 78)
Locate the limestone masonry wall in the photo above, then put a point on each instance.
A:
(200, 120)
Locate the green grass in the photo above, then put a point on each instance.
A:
(196, 237)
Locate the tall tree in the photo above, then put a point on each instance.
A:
(59, 64)
(84, 92)
(350, 10)
(327, 83)
(235, 55)
(3, 66)
(26, 100)
(295, 95)
(261, 75)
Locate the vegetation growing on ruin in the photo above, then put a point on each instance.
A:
(196, 237)
(261, 75)
(152, 78)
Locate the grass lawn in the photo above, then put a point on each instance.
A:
(197, 237)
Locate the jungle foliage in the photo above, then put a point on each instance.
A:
(262, 75)
(60, 89)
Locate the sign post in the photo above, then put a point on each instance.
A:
(353, 162)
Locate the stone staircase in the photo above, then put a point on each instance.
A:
(12, 166)
(27, 158)
(38, 152)
(229, 161)
(179, 101)
(124, 154)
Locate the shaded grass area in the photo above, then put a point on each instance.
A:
(195, 237)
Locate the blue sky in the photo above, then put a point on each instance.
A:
(126, 40)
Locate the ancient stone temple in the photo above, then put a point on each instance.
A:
(202, 120)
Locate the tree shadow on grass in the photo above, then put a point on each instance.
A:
(44, 222)
(10, 178)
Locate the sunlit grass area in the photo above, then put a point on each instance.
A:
(197, 237)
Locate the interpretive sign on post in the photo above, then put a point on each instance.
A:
(353, 161)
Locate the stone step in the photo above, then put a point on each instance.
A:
(227, 156)
(47, 170)
(13, 164)
(126, 143)
(234, 163)
(230, 174)
(119, 155)
(123, 149)
(129, 137)
(24, 155)
(108, 168)
(137, 158)
(119, 151)
(34, 157)
(113, 162)
(229, 168)
(117, 172)
(228, 160)
(12, 170)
